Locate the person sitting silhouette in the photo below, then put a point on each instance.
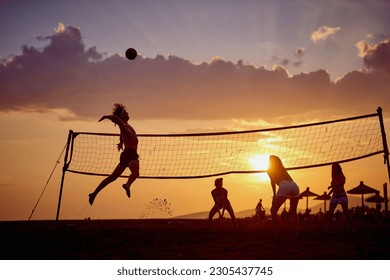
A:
(221, 202)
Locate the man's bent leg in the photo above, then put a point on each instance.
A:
(230, 210)
(213, 211)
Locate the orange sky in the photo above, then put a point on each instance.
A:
(28, 162)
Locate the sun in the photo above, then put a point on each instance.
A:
(260, 162)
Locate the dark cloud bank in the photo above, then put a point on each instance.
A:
(65, 74)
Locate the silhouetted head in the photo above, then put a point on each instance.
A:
(218, 182)
(336, 169)
(275, 163)
(120, 111)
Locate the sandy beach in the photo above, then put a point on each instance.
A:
(187, 239)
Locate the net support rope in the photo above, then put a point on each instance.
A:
(199, 155)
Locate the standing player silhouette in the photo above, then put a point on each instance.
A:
(339, 196)
(129, 156)
(287, 189)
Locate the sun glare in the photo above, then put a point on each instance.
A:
(260, 162)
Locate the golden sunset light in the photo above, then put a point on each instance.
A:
(260, 162)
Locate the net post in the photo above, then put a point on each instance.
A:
(64, 168)
(384, 140)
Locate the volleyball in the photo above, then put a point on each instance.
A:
(131, 53)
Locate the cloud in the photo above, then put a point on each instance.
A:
(323, 32)
(67, 75)
(299, 52)
(60, 28)
(375, 57)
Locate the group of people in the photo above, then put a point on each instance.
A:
(287, 188)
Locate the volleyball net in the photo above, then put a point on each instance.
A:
(198, 155)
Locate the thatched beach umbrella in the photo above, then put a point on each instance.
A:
(306, 194)
(323, 197)
(362, 189)
(376, 198)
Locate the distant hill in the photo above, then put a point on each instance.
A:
(314, 205)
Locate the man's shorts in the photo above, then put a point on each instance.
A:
(128, 155)
(288, 189)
